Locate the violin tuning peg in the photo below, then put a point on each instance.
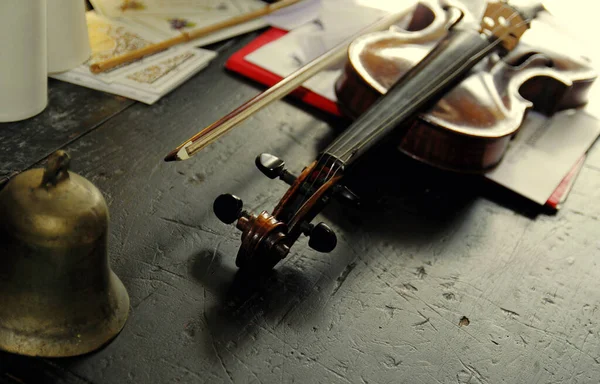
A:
(273, 167)
(346, 196)
(228, 208)
(322, 238)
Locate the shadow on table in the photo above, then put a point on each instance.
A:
(246, 302)
(390, 181)
(404, 203)
(15, 369)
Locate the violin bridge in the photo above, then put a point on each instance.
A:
(503, 22)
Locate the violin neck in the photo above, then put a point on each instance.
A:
(418, 89)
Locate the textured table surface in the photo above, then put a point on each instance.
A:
(437, 279)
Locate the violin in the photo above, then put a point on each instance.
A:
(469, 128)
(454, 89)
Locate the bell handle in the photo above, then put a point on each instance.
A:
(57, 169)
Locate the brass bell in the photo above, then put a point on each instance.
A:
(58, 295)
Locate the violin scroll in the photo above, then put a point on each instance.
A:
(268, 237)
(261, 234)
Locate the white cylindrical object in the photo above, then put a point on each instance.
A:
(23, 59)
(68, 41)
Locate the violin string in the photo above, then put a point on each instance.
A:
(330, 169)
(496, 13)
(333, 167)
(419, 99)
(309, 190)
(321, 167)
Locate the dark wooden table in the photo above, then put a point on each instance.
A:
(438, 278)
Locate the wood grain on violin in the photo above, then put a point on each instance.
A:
(455, 90)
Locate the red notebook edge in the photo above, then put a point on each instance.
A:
(237, 63)
(564, 188)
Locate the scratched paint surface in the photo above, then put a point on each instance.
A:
(71, 113)
(438, 278)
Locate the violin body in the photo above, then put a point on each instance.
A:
(470, 127)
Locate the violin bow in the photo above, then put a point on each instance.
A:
(284, 87)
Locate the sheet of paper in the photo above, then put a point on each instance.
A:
(337, 21)
(120, 8)
(109, 38)
(114, 88)
(163, 75)
(150, 83)
(172, 25)
(386, 5)
(544, 152)
(288, 60)
(169, 19)
(295, 15)
(146, 80)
